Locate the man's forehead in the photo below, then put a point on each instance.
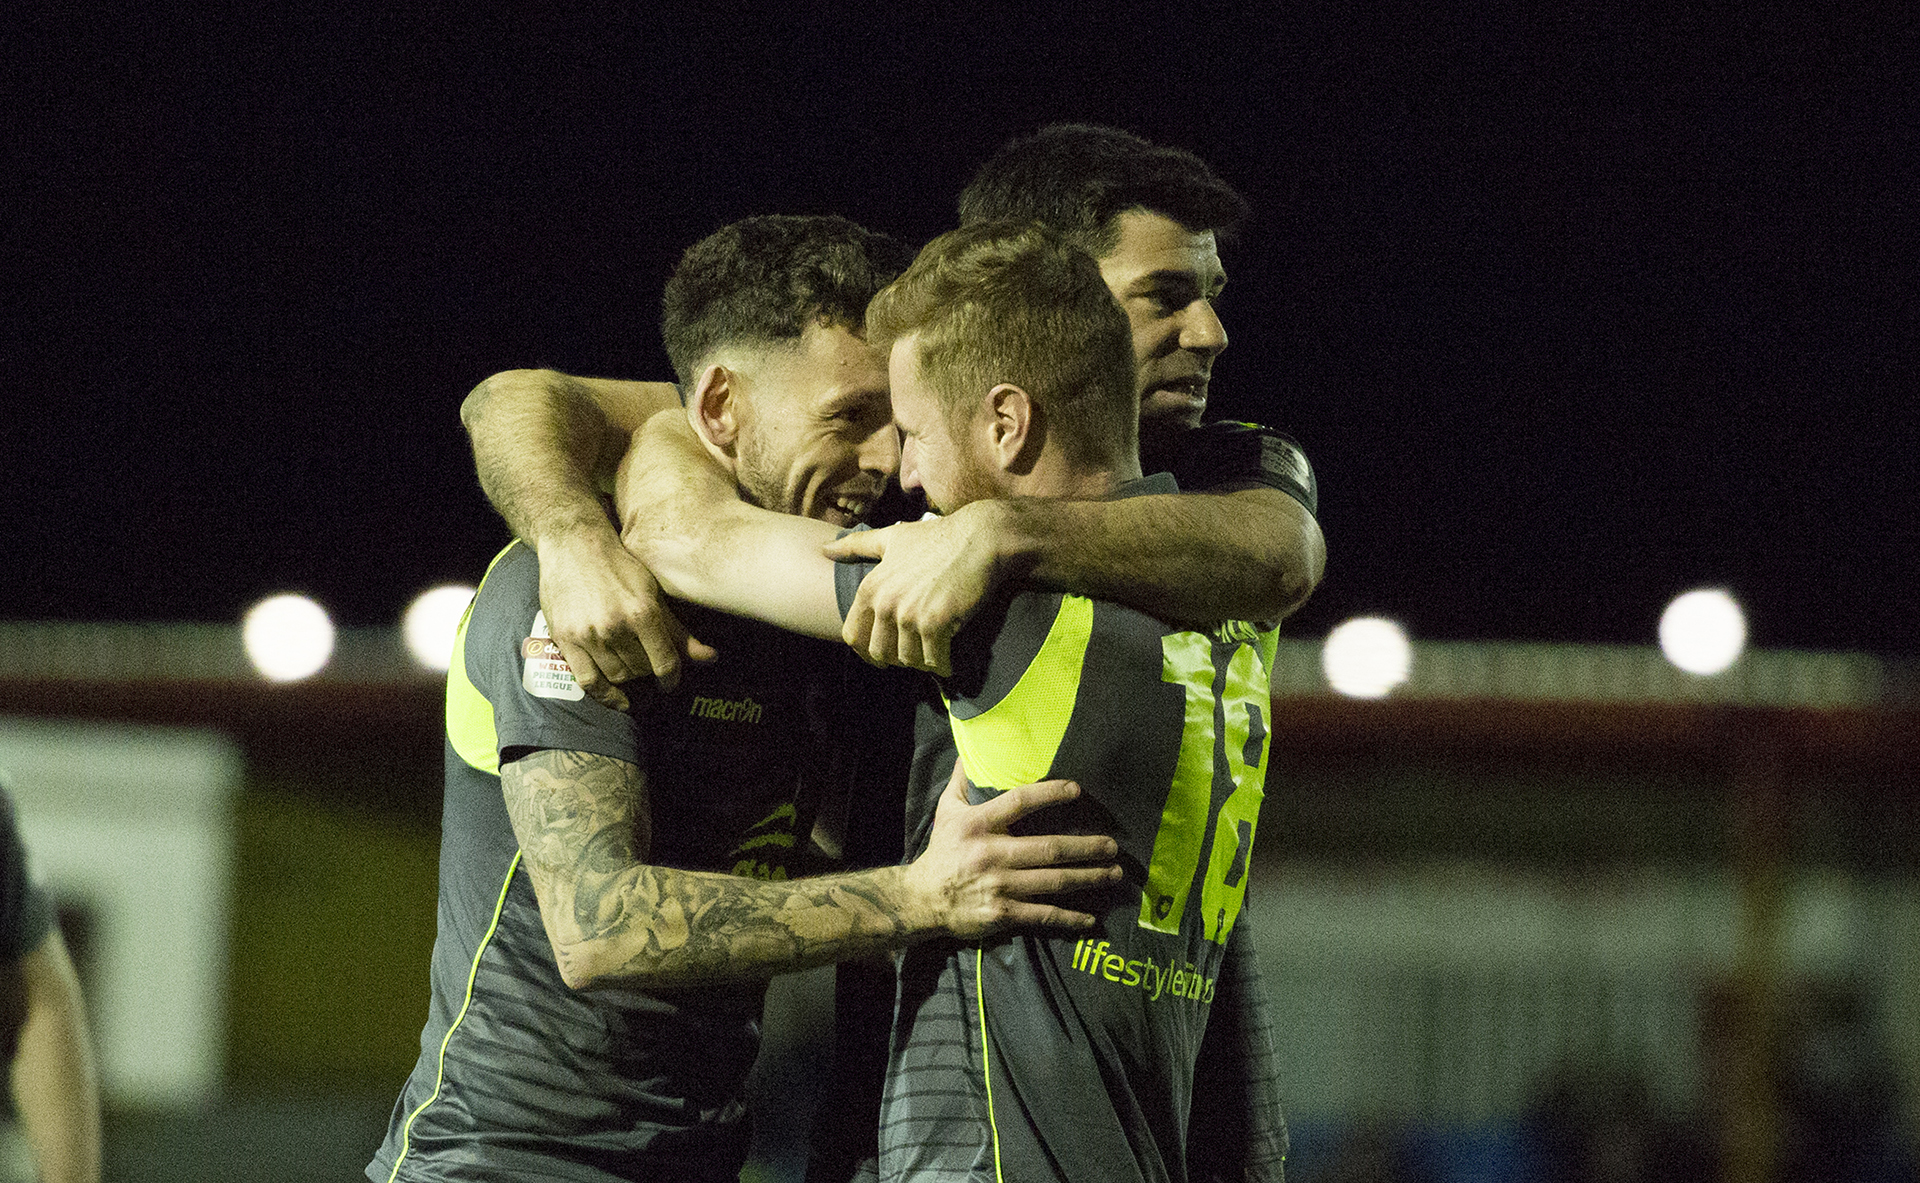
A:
(840, 355)
(826, 369)
(903, 369)
(1151, 242)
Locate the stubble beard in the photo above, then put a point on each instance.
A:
(758, 478)
(972, 481)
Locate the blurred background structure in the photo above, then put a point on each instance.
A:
(1540, 912)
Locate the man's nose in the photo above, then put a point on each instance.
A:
(880, 452)
(909, 470)
(1201, 330)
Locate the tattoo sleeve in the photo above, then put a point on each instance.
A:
(584, 830)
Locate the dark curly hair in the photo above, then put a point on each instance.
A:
(765, 279)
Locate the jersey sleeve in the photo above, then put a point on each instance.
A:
(510, 659)
(848, 575)
(1232, 453)
(26, 911)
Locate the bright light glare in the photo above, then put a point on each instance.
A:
(1703, 632)
(288, 638)
(1366, 657)
(431, 621)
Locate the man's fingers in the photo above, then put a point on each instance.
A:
(909, 651)
(882, 644)
(856, 630)
(666, 645)
(663, 658)
(664, 640)
(1019, 915)
(621, 653)
(861, 544)
(1047, 850)
(1046, 881)
(934, 648)
(668, 652)
(1015, 804)
(591, 678)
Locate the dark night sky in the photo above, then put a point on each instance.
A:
(1571, 315)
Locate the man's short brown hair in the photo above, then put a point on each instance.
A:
(1016, 303)
(763, 280)
(1078, 178)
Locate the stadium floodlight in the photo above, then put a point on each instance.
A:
(1366, 657)
(431, 621)
(1703, 631)
(287, 637)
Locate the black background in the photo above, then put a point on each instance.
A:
(1572, 312)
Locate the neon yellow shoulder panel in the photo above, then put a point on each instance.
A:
(469, 715)
(1013, 742)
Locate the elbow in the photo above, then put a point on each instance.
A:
(584, 967)
(474, 408)
(578, 970)
(1293, 568)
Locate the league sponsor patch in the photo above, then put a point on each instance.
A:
(543, 672)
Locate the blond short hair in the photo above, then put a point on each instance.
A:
(1016, 303)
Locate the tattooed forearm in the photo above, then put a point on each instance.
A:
(583, 826)
(699, 927)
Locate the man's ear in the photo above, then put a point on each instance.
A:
(1015, 435)
(717, 408)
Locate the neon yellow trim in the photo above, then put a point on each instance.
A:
(765, 840)
(782, 812)
(1013, 742)
(469, 715)
(986, 1069)
(440, 1065)
(1186, 661)
(1246, 689)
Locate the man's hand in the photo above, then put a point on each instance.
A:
(976, 878)
(607, 616)
(932, 575)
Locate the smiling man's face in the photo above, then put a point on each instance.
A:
(820, 442)
(1167, 278)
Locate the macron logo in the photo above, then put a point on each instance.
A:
(743, 710)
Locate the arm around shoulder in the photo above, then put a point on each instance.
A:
(681, 512)
(1253, 553)
(546, 443)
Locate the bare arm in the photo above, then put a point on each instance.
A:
(54, 1084)
(582, 823)
(1190, 558)
(682, 514)
(546, 445)
(1260, 551)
